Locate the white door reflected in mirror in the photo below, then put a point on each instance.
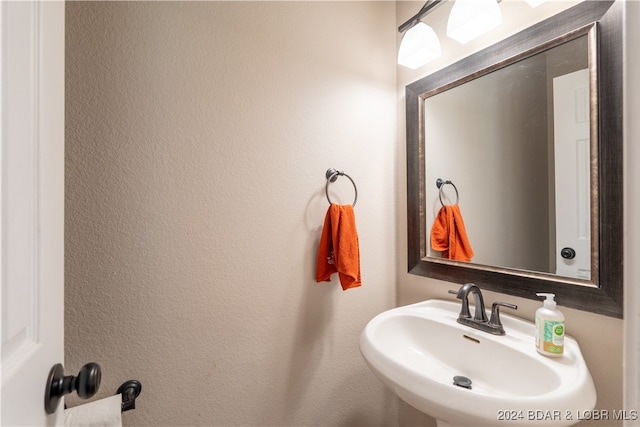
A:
(571, 153)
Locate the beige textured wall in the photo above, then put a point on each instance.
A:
(198, 135)
(600, 337)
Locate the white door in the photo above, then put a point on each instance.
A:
(572, 161)
(32, 206)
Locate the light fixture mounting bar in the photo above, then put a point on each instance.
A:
(428, 6)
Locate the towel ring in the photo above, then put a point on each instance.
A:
(332, 175)
(441, 183)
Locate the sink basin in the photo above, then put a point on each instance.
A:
(418, 349)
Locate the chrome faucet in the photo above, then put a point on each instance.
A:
(479, 320)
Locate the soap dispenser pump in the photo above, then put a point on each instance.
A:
(549, 327)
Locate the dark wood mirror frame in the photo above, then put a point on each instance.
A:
(606, 297)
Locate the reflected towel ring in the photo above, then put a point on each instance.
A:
(441, 183)
(332, 175)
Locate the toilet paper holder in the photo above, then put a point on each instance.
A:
(129, 391)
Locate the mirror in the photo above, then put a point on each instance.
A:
(519, 179)
(527, 136)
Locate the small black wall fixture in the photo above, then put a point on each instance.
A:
(129, 390)
(86, 384)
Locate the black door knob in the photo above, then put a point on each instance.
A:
(568, 253)
(86, 384)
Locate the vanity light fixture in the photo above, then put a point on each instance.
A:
(472, 18)
(468, 20)
(420, 43)
(535, 3)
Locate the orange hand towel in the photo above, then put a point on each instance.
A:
(339, 250)
(449, 235)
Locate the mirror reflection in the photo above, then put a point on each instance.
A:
(517, 145)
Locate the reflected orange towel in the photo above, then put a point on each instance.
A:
(339, 250)
(449, 235)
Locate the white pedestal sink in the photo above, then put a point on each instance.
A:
(416, 351)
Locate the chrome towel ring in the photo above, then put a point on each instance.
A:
(441, 183)
(332, 175)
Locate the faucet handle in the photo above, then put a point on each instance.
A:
(495, 313)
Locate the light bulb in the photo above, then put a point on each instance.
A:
(535, 3)
(419, 45)
(472, 18)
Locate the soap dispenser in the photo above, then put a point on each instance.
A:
(549, 328)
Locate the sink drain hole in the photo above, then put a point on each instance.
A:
(461, 381)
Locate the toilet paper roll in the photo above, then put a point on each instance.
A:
(101, 413)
